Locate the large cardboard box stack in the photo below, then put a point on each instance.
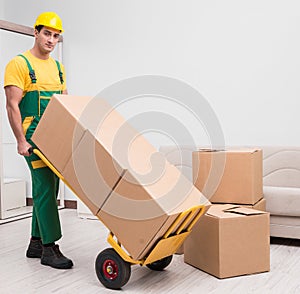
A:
(233, 236)
(114, 170)
(230, 241)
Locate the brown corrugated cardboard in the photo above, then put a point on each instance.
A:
(153, 192)
(66, 120)
(68, 117)
(92, 172)
(107, 136)
(60, 129)
(259, 205)
(147, 210)
(230, 241)
(231, 176)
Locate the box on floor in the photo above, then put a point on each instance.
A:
(230, 241)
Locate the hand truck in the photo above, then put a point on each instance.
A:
(113, 265)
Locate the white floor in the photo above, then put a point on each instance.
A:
(82, 241)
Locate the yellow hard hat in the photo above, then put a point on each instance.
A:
(49, 19)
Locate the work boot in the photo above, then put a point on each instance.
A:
(35, 249)
(53, 257)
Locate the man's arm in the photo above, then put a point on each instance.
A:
(13, 98)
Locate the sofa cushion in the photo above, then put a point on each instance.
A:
(285, 220)
(282, 200)
(285, 226)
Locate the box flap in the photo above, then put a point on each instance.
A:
(231, 210)
(209, 150)
(243, 150)
(217, 210)
(230, 150)
(243, 211)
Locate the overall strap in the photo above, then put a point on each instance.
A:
(31, 70)
(59, 72)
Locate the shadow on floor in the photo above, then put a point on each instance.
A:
(285, 241)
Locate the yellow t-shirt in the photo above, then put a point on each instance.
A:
(46, 72)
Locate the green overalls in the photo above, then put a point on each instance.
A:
(45, 184)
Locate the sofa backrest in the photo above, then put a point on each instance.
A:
(181, 157)
(281, 166)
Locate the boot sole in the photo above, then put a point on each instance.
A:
(33, 256)
(58, 266)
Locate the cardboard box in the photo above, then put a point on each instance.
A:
(147, 210)
(109, 136)
(59, 140)
(92, 180)
(259, 205)
(230, 241)
(92, 172)
(56, 139)
(231, 176)
(114, 170)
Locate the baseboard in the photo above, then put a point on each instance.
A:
(68, 203)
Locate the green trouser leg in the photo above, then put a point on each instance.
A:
(45, 217)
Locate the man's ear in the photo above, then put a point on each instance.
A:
(36, 32)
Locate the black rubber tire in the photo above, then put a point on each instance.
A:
(108, 260)
(159, 265)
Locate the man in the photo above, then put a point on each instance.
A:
(30, 80)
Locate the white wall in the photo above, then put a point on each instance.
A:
(1, 9)
(242, 56)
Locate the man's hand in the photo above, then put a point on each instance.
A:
(23, 148)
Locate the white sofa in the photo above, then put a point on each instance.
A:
(281, 180)
(281, 177)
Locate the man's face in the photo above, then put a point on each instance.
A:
(47, 39)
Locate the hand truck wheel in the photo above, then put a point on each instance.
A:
(159, 265)
(112, 271)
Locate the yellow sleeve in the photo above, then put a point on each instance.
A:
(15, 73)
